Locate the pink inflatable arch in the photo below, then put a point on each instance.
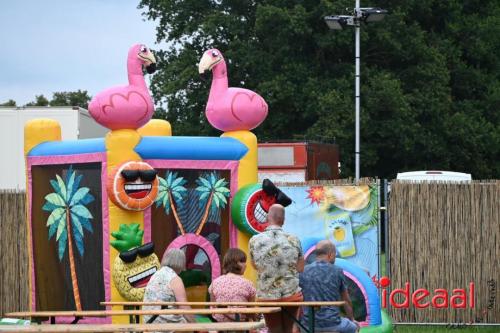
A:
(205, 245)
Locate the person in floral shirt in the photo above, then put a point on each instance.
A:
(232, 286)
(277, 256)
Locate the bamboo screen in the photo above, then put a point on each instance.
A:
(444, 235)
(14, 267)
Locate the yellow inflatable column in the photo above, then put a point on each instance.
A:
(156, 127)
(120, 146)
(247, 174)
(36, 131)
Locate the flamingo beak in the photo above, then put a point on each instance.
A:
(205, 64)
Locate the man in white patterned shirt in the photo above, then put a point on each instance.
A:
(277, 256)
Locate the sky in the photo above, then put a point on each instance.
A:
(54, 45)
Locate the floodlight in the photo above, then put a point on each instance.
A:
(336, 22)
(372, 14)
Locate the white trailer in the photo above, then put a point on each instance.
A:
(449, 176)
(76, 123)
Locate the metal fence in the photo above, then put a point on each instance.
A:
(445, 236)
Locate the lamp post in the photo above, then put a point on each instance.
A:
(338, 22)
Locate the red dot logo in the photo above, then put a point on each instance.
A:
(384, 281)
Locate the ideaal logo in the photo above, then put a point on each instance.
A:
(421, 298)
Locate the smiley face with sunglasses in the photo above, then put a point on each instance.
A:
(135, 264)
(133, 185)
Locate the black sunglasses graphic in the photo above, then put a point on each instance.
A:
(270, 189)
(145, 175)
(142, 251)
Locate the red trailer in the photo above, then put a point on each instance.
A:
(298, 161)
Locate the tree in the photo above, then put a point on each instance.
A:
(40, 100)
(10, 102)
(67, 220)
(213, 192)
(429, 71)
(170, 189)
(79, 98)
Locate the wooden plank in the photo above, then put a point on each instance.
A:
(107, 313)
(247, 304)
(84, 328)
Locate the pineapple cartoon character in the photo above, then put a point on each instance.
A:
(339, 231)
(136, 263)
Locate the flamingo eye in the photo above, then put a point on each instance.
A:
(215, 54)
(144, 49)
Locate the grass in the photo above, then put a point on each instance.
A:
(383, 270)
(437, 329)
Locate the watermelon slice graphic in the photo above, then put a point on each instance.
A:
(249, 209)
(251, 205)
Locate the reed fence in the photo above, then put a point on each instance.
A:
(444, 235)
(14, 268)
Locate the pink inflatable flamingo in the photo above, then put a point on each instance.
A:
(127, 106)
(230, 109)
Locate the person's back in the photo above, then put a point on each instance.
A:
(275, 255)
(159, 290)
(323, 281)
(232, 286)
(166, 286)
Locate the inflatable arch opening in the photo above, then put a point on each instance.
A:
(183, 242)
(202, 265)
(370, 315)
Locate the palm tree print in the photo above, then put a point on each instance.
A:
(171, 189)
(213, 192)
(68, 219)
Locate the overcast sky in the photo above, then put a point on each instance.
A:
(55, 45)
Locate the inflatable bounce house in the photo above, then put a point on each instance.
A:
(101, 212)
